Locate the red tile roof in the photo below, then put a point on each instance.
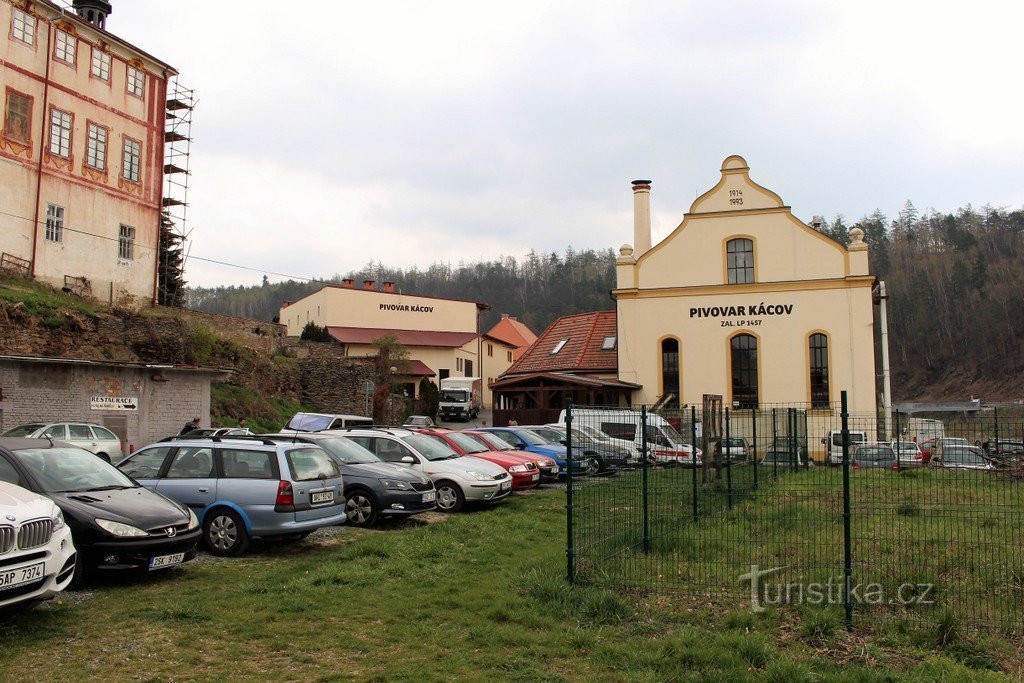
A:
(582, 352)
(368, 335)
(515, 333)
(418, 368)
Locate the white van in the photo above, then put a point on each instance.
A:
(834, 444)
(664, 443)
(318, 422)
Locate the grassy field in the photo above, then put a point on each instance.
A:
(477, 594)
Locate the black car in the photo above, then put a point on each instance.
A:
(373, 488)
(115, 522)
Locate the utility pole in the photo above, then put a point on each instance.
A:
(886, 388)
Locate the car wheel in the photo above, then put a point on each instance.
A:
(224, 533)
(103, 456)
(591, 466)
(81, 576)
(362, 508)
(449, 497)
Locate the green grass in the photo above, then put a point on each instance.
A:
(480, 594)
(262, 414)
(43, 302)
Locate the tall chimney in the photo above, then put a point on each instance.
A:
(368, 284)
(641, 217)
(347, 282)
(93, 11)
(389, 287)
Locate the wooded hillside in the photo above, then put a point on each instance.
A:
(956, 286)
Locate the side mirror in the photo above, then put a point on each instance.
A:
(563, 441)
(520, 446)
(408, 460)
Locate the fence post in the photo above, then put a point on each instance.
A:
(898, 437)
(847, 541)
(693, 445)
(995, 416)
(752, 456)
(645, 491)
(728, 457)
(775, 439)
(570, 554)
(791, 438)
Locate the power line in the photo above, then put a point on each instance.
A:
(149, 248)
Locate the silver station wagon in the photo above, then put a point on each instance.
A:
(244, 487)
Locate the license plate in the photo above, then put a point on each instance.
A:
(535, 477)
(429, 496)
(506, 485)
(165, 561)
(20, 576)
(321, 497)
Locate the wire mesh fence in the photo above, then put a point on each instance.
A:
(765, 507)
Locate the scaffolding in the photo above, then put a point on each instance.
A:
(181, 102)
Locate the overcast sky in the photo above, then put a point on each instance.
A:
(330, 133)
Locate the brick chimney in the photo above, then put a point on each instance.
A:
(389, 287)
(348, 282)
(368, 285)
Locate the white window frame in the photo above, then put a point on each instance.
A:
(131, 160)
(609, 343)
(135, 81)
(100, 67)
(23, 26)
(54, 223)
(60, 133)
(95, 144)
(126, 243)
(65, 47)
(559, 345)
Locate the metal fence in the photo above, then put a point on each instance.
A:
(787, 505)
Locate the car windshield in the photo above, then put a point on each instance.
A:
(467, 443)
(961, 455)
(953, 441)
(454, 395)
(23, 430)
(595, 434)
(66, 470)
(780, 456)
(855, 437)
(531, 438)
(496, 443)
(673, 436)
(874, 453)
(429, 448)
(733, 443)
(905, 445)
(549, 435)
(305, 422)
(347, 452)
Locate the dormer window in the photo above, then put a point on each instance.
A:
(558, 346)
(739, 260)
(609, 343)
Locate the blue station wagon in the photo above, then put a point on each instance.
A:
(242, 488)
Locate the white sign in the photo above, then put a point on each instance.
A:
(115, 403)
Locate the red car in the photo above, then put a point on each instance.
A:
(548, 467)
(525, 474)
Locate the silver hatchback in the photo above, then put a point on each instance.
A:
(241, 488)
(88, 436)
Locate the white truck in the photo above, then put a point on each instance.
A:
(460, 397)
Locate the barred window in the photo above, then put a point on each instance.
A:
(65, 47)
(818, 344)
(24, 27)
(739, 255)
(126, 243)
(101, 64)
(744, 371)
(670, 370)
(60, 133)
(18, 117)
(136, 81)
(132, 153)
(54, 223)
(96, 149)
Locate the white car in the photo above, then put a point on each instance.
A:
(86, 435)
(37, 556)
(457, 478)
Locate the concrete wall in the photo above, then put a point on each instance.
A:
(95, 202)
(58, 392)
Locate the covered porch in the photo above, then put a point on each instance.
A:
(538, 398)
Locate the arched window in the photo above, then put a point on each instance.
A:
(670, 370)
(739, 260)
(818, 346)
(743, 348)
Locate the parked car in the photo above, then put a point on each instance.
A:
(868, 455)
(547, 466)
(36, 546)
(525, 440)
(908, 452)
(961, 457)
(218, 431)
(115, 522)
(608, 454)
(784, 459)
(373, 488)
(834, 444)
(664, 443)
(733, 449)
(91, 437)
(524, 471)
(418, 421)
(242, 488)
(946, 441)
(593, 461)
(318, 422)
(458, 479)
(1004, 449)
(599, 436)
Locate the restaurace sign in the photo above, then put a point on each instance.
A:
(748, 315)
(119, 403)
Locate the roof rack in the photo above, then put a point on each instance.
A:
(218, 439)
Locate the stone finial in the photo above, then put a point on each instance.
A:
(857, 242)
(626, 257)
(626, 250)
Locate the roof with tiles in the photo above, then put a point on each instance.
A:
(513, 332)
(584, 335)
